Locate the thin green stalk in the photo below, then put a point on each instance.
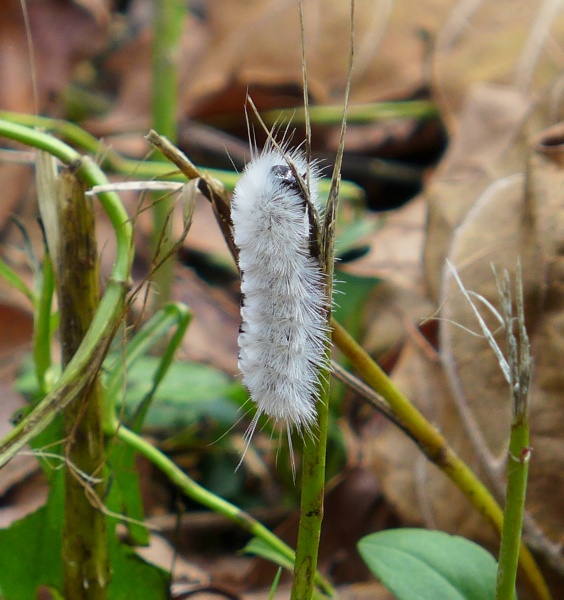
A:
(435, 447)
(519, 361)
(42, 324)
(517, 472)
(329, 115)
(112, 161)
(314, 455)
(206, 498)
(357, 115)
(168, 21)
(47, 187)
(93, 348)
(315, 452)
(311, 503)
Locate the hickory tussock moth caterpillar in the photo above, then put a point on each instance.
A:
(283, 331)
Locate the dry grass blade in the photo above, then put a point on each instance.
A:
(504, 365)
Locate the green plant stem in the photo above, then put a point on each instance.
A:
(168, 21)
(357, 115)
(315, 454)
(206, 498)
(42, 324)
(93, 348)
(311, 503)
(435, 447)
(517, 471)
(86, 569)
(112, 161)
(519, 379)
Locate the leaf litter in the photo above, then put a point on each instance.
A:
(494, 196)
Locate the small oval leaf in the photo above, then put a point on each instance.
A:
(417, 564)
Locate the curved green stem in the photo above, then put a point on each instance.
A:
(92, 350)
(202, 496)
(149, 169)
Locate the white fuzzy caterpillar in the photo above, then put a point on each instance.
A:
(282, 338)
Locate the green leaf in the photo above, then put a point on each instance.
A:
(30, 556)
(30, 549)
(132, 577)
(258, 547)
(416, 564)
(188, 392)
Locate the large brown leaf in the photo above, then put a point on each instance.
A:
(495, 198)
(515, 218)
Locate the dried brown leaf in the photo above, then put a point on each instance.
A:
(518, 45)
(489, 143)
(516, 218)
